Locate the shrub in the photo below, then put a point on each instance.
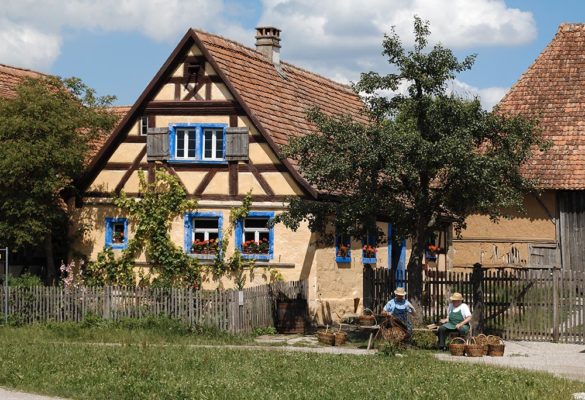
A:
(424, 340)
(26, 280)
(389, 349)
(267, 330)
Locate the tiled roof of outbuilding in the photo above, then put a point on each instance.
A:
(10, 77)
(552, 90)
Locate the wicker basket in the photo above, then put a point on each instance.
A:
(340, 338)
(496, 349)
(367, 320)
(457, 349)
(483, 340)
(473, 349)
(326, 337)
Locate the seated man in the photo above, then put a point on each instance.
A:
(457, 320)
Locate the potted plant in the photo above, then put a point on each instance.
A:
(118, 237)
(432, 252)
(369, 251)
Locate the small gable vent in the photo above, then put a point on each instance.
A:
(157, 144)
(236, 146)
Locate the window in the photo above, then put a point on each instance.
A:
(342, 248)
(203, 234)
(197, 143)
(369, 250)
(116, 233)
(255, 236)
(143, 126)
(213, 144)
(186, 143)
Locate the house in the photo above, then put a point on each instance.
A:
(552, 231)
(216, 116)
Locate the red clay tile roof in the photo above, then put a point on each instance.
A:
(553, 91)
(98, 142)
(279, 103)
(10, 77)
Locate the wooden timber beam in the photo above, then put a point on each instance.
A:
(212, 107)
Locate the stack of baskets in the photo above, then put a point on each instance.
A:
(482, 340)
(340, 338)
(496, 346)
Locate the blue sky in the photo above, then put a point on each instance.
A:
(116, 46)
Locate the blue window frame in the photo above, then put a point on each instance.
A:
(197, 143)
(342, 248)
(255, 237)
(116, 233)
(200, 228)
(369, 250)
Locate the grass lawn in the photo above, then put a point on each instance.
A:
(145, 370)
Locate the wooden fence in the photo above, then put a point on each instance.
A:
(518, 304)
(230, 310)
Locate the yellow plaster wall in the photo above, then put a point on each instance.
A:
(106, 181)
(282, 183)
(218, 185)
(135, 129)
(261, 153)
(194, 51)
(167, 92)
(191, 179)
(219, 91)
(133, 183)
(178, 72)
(164, 120)
(246, 181)
(491, 243)
(209, 69)
(127, 152)
(245, 121)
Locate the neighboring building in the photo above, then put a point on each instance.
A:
(216, 115)
(552, 231)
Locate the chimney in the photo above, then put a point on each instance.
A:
(268, 43)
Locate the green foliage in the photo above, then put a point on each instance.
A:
(389, 349)
(420, 156)
(26, 280)
(44, 136)
(159, 203)
(267, 330)
(424, 340)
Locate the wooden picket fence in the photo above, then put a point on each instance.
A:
(544, 304)
(230, 310)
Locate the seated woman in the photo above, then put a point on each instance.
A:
(458, 319)
(399, 307)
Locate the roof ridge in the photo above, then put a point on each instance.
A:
(289, 65)
(11, 67)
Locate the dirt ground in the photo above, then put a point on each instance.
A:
(565, 360)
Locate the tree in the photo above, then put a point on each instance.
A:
(44, 135)
(423, 156)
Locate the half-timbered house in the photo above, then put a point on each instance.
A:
(216, 115)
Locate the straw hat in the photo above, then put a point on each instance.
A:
(400, 292)
(456, 296)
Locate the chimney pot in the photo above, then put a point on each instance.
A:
(268, 43)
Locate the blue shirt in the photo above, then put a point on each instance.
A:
(401, 305)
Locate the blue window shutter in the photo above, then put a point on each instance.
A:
(238, 232)
(109, 231)
(188, 223)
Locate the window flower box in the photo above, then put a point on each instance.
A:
(369, 254)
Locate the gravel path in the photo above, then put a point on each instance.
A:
(11, 395)
(565, 360)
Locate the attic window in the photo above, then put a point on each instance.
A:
(192, 72)
(143, 125)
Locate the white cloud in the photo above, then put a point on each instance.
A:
(31, 30)
(26, 46)
(489, 97)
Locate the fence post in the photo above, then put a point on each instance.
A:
(368, 284)
(555, 279)
(478, 306)
(107, 301)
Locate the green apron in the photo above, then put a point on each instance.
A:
(456, 317)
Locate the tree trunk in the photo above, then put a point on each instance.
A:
(415, 267)
(49, 259)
